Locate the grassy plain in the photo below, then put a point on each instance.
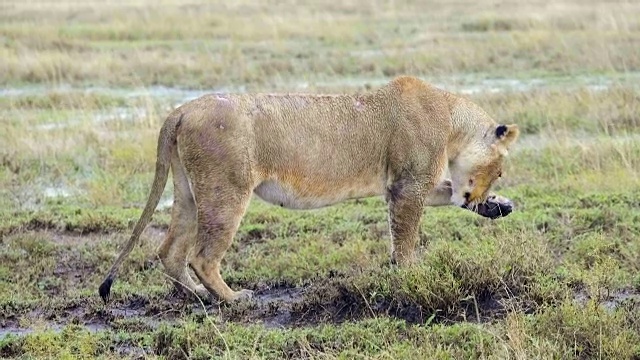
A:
(87, 85)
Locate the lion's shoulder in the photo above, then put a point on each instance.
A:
(413, 86)
(408, 83)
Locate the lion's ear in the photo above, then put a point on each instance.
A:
(505, 136)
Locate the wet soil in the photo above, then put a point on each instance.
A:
(276, 304)
(279, 306)
(271, 306)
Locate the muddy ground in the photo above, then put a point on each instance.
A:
(276, 304)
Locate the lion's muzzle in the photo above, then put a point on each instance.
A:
(494, 207)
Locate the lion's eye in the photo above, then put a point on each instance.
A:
(500, 174)
(470, 182)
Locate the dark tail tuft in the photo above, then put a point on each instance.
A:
(105, 289)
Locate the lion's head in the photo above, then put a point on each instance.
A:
(479, 165)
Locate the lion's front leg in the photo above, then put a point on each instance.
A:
(406, 202)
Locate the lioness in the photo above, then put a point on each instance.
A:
(310, 151)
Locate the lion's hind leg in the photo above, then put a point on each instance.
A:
(174, 251)
(221, 203)
(219, 216)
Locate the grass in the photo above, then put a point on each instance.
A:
(254, 45)
(84, 100)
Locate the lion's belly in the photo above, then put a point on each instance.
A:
(306, 195)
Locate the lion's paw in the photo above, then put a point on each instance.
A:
(243, 294)
(202, 291)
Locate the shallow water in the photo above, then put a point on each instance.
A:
(56, 191)
(121, 114)
(474, 84)
(53, 327)
(610, 302)
(463, 83)
(467, 84)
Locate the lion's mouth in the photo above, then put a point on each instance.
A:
(492, 208)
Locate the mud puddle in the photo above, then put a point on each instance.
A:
(331, 299)
(611, 301)
(276, 306)
(271, 306)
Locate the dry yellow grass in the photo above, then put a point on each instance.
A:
(257, 44)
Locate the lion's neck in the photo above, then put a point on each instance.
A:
(469, 123)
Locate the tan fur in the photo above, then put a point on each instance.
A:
(309, 151)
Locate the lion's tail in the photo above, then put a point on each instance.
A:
(166, 144)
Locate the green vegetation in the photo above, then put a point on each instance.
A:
(558, 278)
